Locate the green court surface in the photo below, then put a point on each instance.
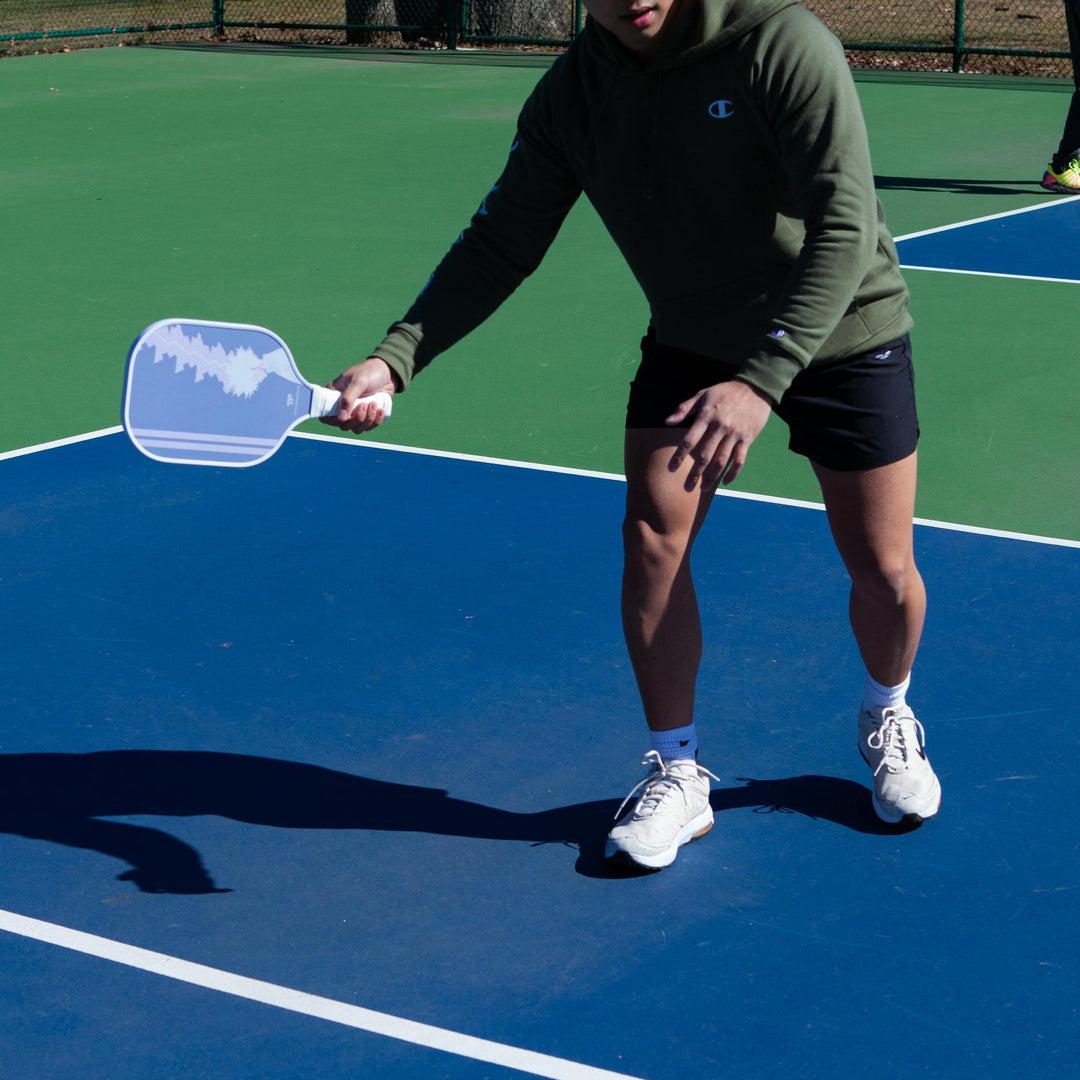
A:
(312, 191)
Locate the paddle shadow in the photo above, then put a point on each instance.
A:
(62, 798)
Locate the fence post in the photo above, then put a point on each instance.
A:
(958, 36)
(217, 17)
(453, 22)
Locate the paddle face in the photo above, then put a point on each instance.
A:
(209, 393)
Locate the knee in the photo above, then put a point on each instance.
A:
(887, 580)
(653, 548)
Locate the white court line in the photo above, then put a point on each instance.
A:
(297, 1001)
(988, 217)
(750, 496)
(60, 442)
(568, 471)
(991, 273)
(979, 221)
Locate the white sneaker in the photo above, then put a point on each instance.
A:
(892, 743)
(672, 809)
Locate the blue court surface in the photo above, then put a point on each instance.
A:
(307, 768)
(1039, 242)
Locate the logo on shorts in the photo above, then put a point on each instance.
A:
(722, 109)
(777, 332)
(884, 355)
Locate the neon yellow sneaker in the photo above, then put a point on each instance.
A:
(1067, 182)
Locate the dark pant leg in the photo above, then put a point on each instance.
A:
(1070, 138)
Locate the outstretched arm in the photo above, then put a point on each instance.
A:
(505, 242)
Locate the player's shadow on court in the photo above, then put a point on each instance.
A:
(63, 799)
(957, 185)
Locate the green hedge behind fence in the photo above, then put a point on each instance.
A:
(1001, 36)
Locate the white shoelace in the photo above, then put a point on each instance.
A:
(891, 740)
(658, 783)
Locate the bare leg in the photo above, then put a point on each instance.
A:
(870, 513)
(659, 605)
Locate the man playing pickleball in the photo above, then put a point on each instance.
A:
(723, 146)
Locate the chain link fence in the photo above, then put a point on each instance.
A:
(1022, 37)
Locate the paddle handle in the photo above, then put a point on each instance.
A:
(324, 401)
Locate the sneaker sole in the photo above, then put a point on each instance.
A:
(892, 816)
(694, 829)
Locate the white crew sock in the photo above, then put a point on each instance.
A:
(884, 697)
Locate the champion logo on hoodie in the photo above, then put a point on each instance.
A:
(722, 109)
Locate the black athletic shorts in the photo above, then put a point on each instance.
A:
(856, 414)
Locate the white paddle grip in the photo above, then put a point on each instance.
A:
(324, 401)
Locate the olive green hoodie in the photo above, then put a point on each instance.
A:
(733, 174)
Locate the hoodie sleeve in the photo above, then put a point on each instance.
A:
(504, 243)
(811, 104)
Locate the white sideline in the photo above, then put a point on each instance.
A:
(750, 496)
(537, 467)
(282, 997)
